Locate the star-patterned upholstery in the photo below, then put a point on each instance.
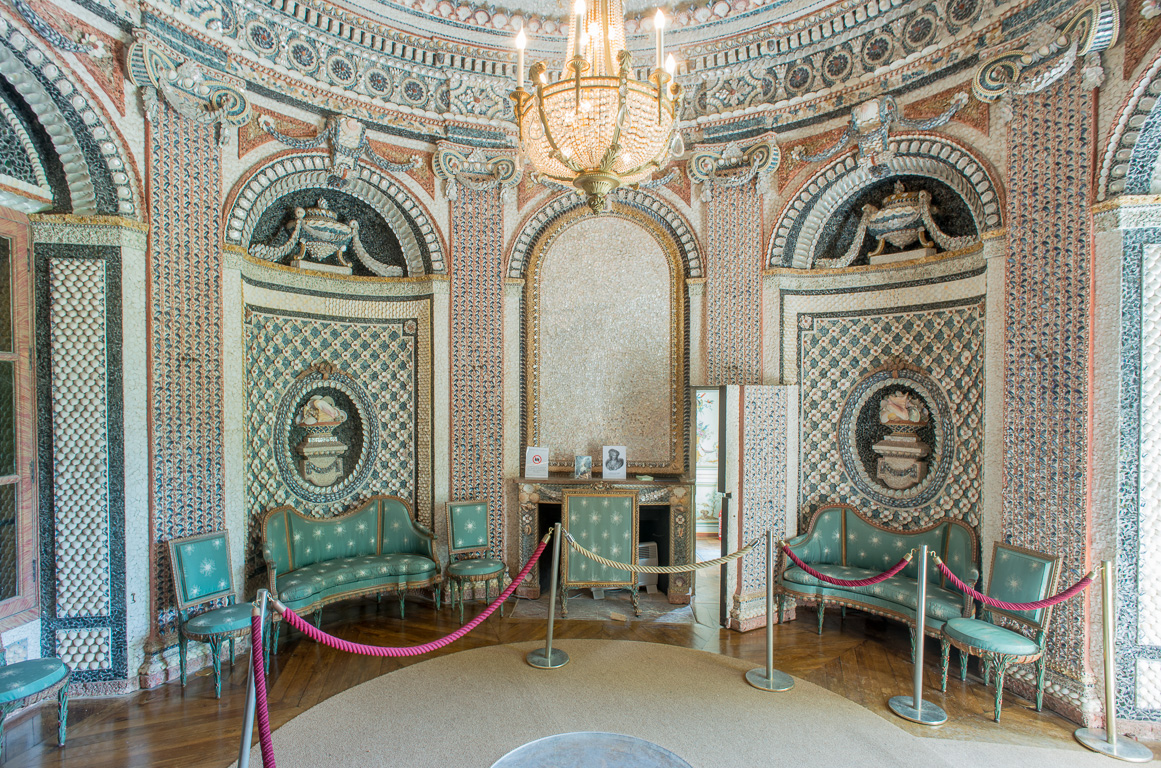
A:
(375, 548)
(606, 525)
(843, 544)
(27, 678)
(202, 577)
(468, 563)
(1018, 575)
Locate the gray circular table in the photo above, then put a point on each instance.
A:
(590, 749)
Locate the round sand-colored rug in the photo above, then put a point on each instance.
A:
(473, 707)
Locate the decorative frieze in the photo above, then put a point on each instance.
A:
(347, 138)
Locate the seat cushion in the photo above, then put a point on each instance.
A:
(476, 567)
(942, 604)
(351, 573)
(24, 678)
(229, 618)
(988, 637)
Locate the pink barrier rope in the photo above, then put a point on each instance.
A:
(851, 582)
(258, 662)
(1075, 589)
(318, 635)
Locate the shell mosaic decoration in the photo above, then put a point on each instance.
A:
(319, 236)
(321, 451)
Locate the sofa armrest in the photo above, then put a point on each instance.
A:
(271, 572)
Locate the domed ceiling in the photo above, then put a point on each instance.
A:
(444, 68)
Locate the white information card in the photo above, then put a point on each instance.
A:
(536, 462)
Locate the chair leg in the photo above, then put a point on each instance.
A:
(436, 591)
(636, 600)
(274, 638)
(499, 591)
(944, 658)
(4, 710)
(843, 613)
(216, 653)
(821, 609)
(181, 651)
(912, 635)
(62, 714)
(963, 660)
(317, 618)
(402, 594)
(231, 651)
(267, 633)
(1001, 669)
(461, 589)
(1041, 668)
(781, 606)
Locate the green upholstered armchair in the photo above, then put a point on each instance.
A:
(606, 525)
(23, 679)
(202, 574)
(467, 545)
(1018, 576)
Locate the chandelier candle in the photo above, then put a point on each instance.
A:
(521, 41)
(659, 28)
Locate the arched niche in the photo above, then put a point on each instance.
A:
(605, 341)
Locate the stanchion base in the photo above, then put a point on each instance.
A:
(775, 681)
(541, 660)
(927, 714)
(1126, 749)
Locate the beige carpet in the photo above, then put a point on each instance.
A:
(470, 708)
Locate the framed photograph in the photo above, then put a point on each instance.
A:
(582, 467)
(536, 462)
(613, 462)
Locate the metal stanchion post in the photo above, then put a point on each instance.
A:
(913, 707)
(248, 718)
(549, 657)
(1106, 741)
(769, 679)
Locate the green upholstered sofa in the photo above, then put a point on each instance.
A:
(373, 549)
(841, 543)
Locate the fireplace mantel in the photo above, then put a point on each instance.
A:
(674, 492)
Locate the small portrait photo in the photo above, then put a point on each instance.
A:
(582, 467)
(613, 462)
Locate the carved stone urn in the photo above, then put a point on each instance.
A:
(901, 452)
(321, 451)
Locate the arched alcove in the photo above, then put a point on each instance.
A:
(605, 341)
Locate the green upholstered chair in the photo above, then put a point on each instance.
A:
(202, 574)
(467, 545)
(606, 525)
(1018, 576)
(23, 679)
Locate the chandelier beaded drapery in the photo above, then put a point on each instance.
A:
(597, 127)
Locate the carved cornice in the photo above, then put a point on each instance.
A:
(347, 141)
(194, 92)
(1049, 54)
(732, 164)
(476, 168)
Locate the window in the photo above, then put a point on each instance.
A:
(18, 592)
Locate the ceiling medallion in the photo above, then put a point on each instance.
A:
(596, 127)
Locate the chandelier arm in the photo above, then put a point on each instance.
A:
(556, 153)
(614, 149)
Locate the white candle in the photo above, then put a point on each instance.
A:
(658, 26)
(579, 9)
(670, 64)
(521, 41)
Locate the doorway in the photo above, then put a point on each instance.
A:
(709, 482)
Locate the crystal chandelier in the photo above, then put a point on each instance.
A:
(597, 127)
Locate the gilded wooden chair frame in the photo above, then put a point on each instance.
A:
(824, 600)
(378, 591)
(456, 581)
(999, 663)
(213, 639)
(61, 688)
(630, 580)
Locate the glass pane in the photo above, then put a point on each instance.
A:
(9, 577)
(5, 295)
(7, 419)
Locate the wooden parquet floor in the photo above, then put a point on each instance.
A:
(862, 658)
